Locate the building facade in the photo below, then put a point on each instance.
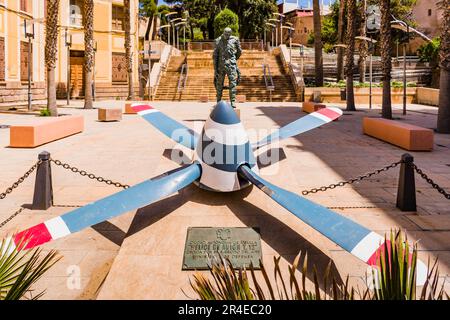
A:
(110, 72)
(14, 50)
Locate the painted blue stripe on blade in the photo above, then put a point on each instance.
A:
(223, 113)
(172, 129)
(225, 157)
(132, 198)
(301, 125)
(339, 229)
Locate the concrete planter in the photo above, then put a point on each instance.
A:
(333, 95)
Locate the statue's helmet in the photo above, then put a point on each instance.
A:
(227, 33)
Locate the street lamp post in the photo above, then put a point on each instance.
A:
(276, 30)
(68, 43)
(168, 31)
(168, 15)
(401, 25)
(93, 78)
(371, 45)
(29, 35)
(290, 30)
(273, 26)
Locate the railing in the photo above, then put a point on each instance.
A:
(209, 45)
(183, 78)
(268, 80)
(157, 70)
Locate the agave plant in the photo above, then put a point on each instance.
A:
(231, 284)
(20, 269)
(393, 279)
(396, 276)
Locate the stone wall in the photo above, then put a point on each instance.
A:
(17, 92)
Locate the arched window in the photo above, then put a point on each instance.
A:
(76, 12)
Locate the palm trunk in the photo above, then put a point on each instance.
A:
(88, 22)
(340, 51)
(128, 53)
(351, 6)
(385, 48)
(363, 48)
(318, 61)
(51, 51)
(443, 121)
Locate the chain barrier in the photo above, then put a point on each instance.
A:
(352, 180)
(431, 182)
(89, 175)
(20, 180)
(11, 216)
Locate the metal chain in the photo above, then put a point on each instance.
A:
(12, 216)
(20, 180)
(352, 180)
(431, 182)
(89, 175)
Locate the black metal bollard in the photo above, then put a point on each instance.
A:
(406, 193)
(43, 190)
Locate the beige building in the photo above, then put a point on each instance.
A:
(302, 22)
(14, 50)
(110, 72)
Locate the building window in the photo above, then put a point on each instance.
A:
(118, 17)
(429, 12)
(24, 5)
(25, 60)
(119, 69)
(76, 13)
(306, 30)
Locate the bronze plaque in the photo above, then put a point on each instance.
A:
(241, 246)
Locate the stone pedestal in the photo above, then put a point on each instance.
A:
(109, 114)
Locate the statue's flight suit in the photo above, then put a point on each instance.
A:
(226, 53)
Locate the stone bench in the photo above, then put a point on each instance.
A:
(109, 114)
(45, 130)
(128, 109)
(406, 136)
(241, 98)
(310, 106)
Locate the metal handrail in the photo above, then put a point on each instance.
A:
(268, 80)
(183, 77)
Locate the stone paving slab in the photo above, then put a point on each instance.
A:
(138, 255)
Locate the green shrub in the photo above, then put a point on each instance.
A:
(226, 18)
(429, 52)
(44, 113)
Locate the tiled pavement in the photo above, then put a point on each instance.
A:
(140, 253)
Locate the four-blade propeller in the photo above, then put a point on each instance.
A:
(349, 235)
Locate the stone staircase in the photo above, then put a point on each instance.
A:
(200, 81)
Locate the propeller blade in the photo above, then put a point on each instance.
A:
(304, 124)
(349, 235)
(169, 127)
(129, 199)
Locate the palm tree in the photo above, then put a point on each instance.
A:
(19, 269)
(128, 54)
(340, 51)
(318, 61)
(363, 47)
(51, 51)
(350, 64)
(443, 122)
(385, 48)
(88, 22)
